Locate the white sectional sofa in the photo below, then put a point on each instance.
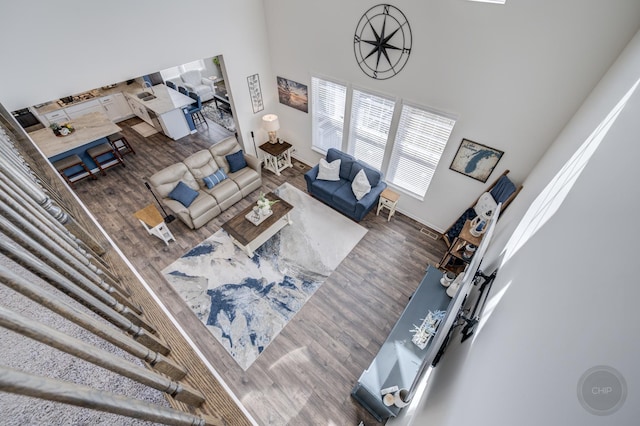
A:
(204, 203)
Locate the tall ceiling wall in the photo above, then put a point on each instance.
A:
(513, 74)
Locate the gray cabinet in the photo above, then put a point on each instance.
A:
(399, 360)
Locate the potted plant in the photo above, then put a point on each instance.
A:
(265, 204)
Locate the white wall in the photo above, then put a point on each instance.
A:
(570, 292)
(60, 47)
(513, 74)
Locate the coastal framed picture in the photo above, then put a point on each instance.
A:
(475, 160)
(293, 94)
(255, 92)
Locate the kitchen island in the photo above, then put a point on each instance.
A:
(162, 108)
(90, 130)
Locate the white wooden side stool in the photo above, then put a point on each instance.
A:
(153, 222)
(388, 199)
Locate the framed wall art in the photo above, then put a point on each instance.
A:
(475, 160)
(255, 92)
(293, 94)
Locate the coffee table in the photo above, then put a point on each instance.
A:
(247, 236)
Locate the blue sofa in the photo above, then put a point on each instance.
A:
(338, 194)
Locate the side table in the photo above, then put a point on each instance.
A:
(457, 248)
(153, 222)
(388, 199)
(277, 156)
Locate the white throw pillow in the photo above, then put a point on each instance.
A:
(360, 185)
(485, 204)
(329, 171)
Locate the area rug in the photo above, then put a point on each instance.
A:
(219, 116)
(144, 129)
(245, 302)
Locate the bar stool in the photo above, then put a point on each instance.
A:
(68, 164)
(196, 110)
(103, 150)
(121, 144)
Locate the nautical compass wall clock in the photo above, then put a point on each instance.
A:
(382, 42)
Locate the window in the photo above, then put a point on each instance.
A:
(419, 142)
(369, 130)
(327, 120)
(405, 143)
(174, 72)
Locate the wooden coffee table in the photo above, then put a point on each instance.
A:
(248, 236)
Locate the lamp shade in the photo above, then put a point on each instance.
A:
(270, 122)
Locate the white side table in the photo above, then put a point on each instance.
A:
(153, 222)
(388, 199)
(277, 156)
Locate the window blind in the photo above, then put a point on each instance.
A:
(327, 119)
(369, 130)
(420, 140)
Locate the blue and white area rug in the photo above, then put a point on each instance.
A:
(245, 302)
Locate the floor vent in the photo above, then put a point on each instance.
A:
(299, 165)
(429, 233)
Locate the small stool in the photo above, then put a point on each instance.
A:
(73, 162)
(388, 199)
(153, 222)
(102, 150)
(121, 144)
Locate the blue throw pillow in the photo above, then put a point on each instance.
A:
(183, 194)
(236, 161)
(215, 178)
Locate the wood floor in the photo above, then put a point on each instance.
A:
(306, 374)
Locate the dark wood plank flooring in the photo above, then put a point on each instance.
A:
(306, 374)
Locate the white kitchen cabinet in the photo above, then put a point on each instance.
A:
(139, 110)
(117, 107)
(83, 108)
(58, 116)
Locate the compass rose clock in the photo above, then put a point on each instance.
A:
(382, 42)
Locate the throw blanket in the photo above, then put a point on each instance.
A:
(500, 192)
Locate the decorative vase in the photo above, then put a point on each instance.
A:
(447, 279)
(264, 211)
(400, 397)
(469, 251)
(455, 285)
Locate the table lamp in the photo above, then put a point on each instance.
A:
(271, 125)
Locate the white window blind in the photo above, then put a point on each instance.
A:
(420, 140)
(369, 130)
(327, 102)
(195, 65)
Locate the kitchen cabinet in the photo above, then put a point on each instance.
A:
(59, 116)
(139, 110)
(116, 107)
(164, 111)
(84, 108)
